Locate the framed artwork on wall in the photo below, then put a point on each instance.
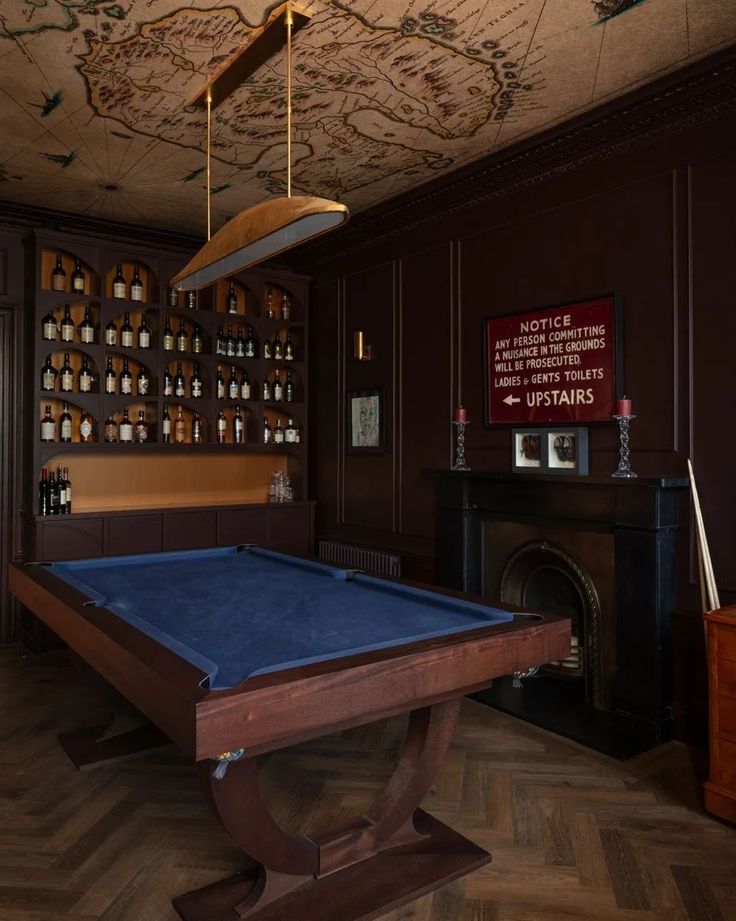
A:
(562, 450)
(366, 423)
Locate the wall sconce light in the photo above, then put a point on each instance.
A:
(361, 350)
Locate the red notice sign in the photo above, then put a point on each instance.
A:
(553, 365)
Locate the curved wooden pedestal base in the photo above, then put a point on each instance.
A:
(360, 892)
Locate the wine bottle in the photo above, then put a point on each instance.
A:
(266, 392)
(238, 427)
(65, 425)
(166, 425)
(172, 297)
(68, 491)
(168, 383)
(192, 300)
(221, 428)
(86, 427)
(195, 382)
(197, 342)
(78, 278)
(111, 429)
(240, 343)
(197, 436)
(125, 429)
(232, 299)
(58, 276)
(62, 490)
(267, 433)
(179, 382)
(49, 329)
(126, 380)
(270, 305)
(85, 378)
(53, 494)
(230, 343)
(119, 287)
(67, 325)
(289, 434)
(43, 493)
(277, 350)
(232, 385)
(267, 352)
(285, 306)
(126, 332)
(144, 333)
(111, 377)
(277, 388)
(66, 376)
(48, 375)
(250, 344)
(140, 433)
(245, 386)
(87, 328)
(180, 428)
(136, 285)
(278, 433)
(289, 388)
(220, 343)
(288, 348)
(111, 333)
(182, 339)
(220, 384)
(168, 336)
(142, 381)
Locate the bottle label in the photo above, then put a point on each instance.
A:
(144, 340)
(250, 349)
(126, 385)
(196, 388)
(278, 437)
(85, 383)
(278, 392)
(233, 390)
(179, 388)
(67, 380)
(78, 284)
(245, 390)
(67, 333)
(289, 355)
(47, 381)
(85, 429)
(111, 336)
(167, 388)
(49, 330)
(266, 350)
(111, 432)
(222, 426)
(238, 431)
(169, 342)
(109, 385)
(68, 494)
(180, 431)
(277, 352)
(173, 298)
(126, 338)
(141, 433)
(118, 289)
(221, 390)
(126, 431)
(230, 348)
(192, 300)
(66, 430)
(136, 292)
(181, 343)
(142, 386)
(57, 282)
(266, 436)
(285, 312)
(87, 334)
(166, 427)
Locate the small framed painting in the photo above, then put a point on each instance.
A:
(366, 424)
(567, 450)
(527, 444)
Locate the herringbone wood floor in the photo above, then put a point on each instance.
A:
(574, 835)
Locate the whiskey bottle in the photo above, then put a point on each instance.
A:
(48, 375)
(245, 386)
(87, 328)
(86, 427)
(266, 391)
(267, 351)
(53, 494)
(111, 429)
(220, 384)
(285, 306)
(267, 433)
(179, 382)
(288, 348)
(58, 276)
(67, 325)
(111, 333)
(240, 343)
(166, 425)
(276, 348)
(49, 329)
(182, 339)
(289, 431)
(48, 426)
(125, 430)
(270, 305)
(277, 388)
(180, 428)
(144, 333)
(191, 300)
(43, 493)
(68, 491)
(289, 388)
(197, 437)
(229, 343)
(221, 428)
(250, 344)
(65, 425)
(66, 376)
(238, 427)
(136, 286)
(195, 382)
(119, 288)
(78, 278)
(172, 297)
(197, 342)
(85, 378)
(168, 383)
(232, 385)
(126, 380)
(61, 483)
(126, 332)
(278, 433)
(168, 336)
(231, 301)
(142, 381)
(220, 343)
(111, 377)
(140, 429)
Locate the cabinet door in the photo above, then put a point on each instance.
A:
(65, 539)
(189, 530)
(291, 528)
(133, 534)
(241, 526)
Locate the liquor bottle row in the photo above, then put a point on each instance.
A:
(64, 431)
(59, 280)
(85, 378)
(55, 492)
(246, 346)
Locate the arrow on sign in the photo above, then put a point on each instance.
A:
(511, 400)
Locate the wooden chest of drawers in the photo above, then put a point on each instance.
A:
(720, 789)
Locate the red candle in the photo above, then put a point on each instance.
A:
(623, 406)
(461, 414)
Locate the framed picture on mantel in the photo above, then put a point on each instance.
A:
(558, 365)
(366, 424)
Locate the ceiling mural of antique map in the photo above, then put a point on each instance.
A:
(94, 96)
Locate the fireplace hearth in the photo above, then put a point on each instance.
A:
(598, 550)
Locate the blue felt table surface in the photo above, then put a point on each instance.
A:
(237, 614)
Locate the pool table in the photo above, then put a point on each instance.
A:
(235, 652)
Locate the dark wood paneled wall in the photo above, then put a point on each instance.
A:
(656, 225)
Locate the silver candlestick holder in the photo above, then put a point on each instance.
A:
(624, 467)
(460, 446)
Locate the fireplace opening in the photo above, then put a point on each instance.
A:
(551, 590)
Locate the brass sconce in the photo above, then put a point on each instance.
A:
(361, 350)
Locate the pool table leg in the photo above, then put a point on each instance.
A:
(392, 855)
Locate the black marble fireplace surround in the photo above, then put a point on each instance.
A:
(602, 551)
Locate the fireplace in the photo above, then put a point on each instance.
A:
(596, 550)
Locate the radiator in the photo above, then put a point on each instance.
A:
(351, 556)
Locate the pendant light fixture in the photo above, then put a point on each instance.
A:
(278, 224)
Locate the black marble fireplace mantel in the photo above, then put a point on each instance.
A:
(634, 524)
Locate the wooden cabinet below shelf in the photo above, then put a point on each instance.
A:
(720, 789)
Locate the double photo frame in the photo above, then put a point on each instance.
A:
(550, 449)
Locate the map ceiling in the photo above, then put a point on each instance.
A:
(387, 93)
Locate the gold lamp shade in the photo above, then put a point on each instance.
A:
(259, 233)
